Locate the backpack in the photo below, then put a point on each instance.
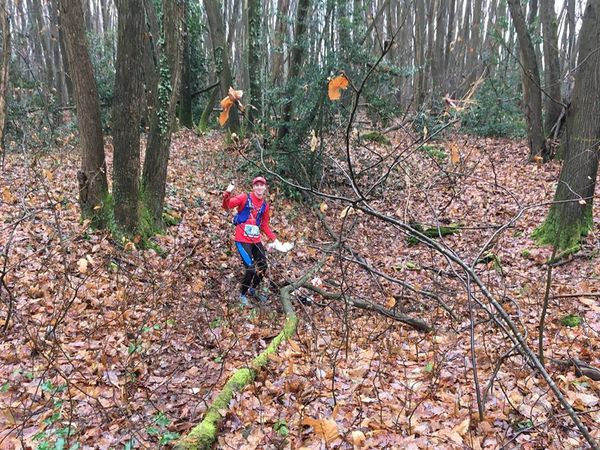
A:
(244, 214)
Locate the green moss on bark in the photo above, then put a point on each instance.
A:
(567, 238)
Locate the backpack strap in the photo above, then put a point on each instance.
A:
(262, 210)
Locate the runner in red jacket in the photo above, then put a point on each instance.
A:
(252, 217)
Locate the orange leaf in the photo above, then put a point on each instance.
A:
(326, 429)
(454, 155)
(233, 97)
(336, 85)
(7, 196)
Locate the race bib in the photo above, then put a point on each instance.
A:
(251, 231)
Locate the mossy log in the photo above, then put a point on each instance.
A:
(203, 435)
(434, 232)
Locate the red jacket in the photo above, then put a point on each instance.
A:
(239, 202)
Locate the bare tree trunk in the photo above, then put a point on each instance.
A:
(473, 47)
(449, 37)
(93, 186)
(570, 217)
(254, 60)
(59, 69)
(65, 58)
(154, 178)
(296, 61)
(4, 70)
(419, 79)
(38, 55)
(185, 101)
(127, 114)
(532, 95)
(278, 40)
(552, 98)
(221, 56)
(437, 63)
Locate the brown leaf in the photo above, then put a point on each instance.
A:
(326, 429)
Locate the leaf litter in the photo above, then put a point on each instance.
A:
(121, 345)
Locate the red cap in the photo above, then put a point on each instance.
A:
(259, 180)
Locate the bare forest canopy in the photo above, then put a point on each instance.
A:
(433, 163)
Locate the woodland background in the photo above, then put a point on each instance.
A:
(434, 162)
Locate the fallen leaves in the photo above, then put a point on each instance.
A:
(326, 429)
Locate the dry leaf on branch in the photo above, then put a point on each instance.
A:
(232, 98)
(336, 85)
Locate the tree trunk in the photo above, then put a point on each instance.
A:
(185, 97)
(59, 70)
(295, 63)
(40, 26)
(532, 94)
(419, 79)
(127, 114)
(65, 58)
(4, 70)
(570, 217)
(93, 186)
(168, 56)
(437, 63)
(449, 35)
(254, 64)
(552, 79)
(473, 46)
(221, 57)
(278, 40)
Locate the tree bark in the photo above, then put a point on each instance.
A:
(570, 217)
(221, 57)
(278, 40)
(4, 70)
(254, 72)
(185, 97)
(552, 79)
(65, 57)
(93, 186)
(59, 69)
(437, 63)
(296, 60)
(127, 114)
(419, 79)
(168, 56)
(532, 94)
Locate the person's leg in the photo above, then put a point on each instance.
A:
(260, 264)
(245, 251)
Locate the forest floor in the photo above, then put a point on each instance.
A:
(113, 346)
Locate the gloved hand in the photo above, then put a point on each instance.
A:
(280, 246)
(230, 187)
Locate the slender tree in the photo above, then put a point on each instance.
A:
(532, 94)
(168, 75)
(4, 69)
(93, 186)
(254, 59)
(552, 96)
(221, 56)
(570, 216)
(185, 97)
(296, 60)
(127, 114)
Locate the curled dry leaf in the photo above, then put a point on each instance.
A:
(358, 439)
(336, 85)
(232, 98)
